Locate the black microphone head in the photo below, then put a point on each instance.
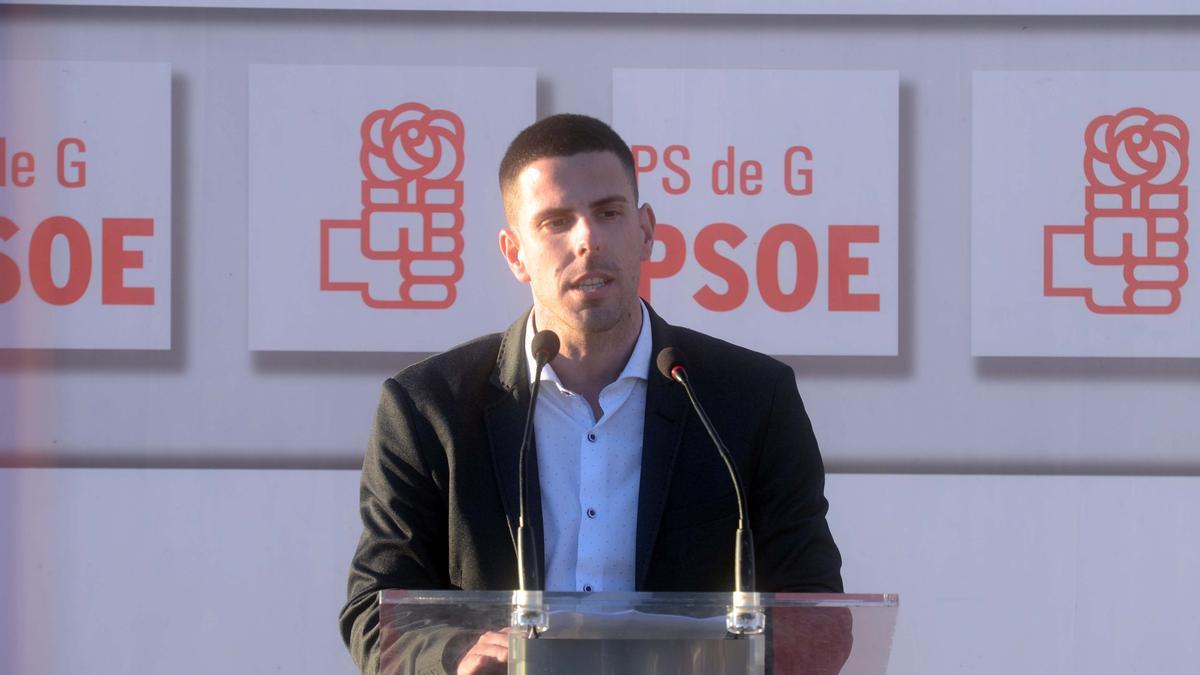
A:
(669, 358)
(545, 346)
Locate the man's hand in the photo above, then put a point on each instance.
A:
(488, 656)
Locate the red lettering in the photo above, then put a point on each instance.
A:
(645, 158)
(733, 275)
(722, 174)
(730, 177)
(79, 248)
(22, 169)
(778, 294)
(674, 255)
(116, 259)
(685, 181)
(842, 266)
(751, 177)
(768, 267)
(10, 273)
(790, 172)
(79, 167)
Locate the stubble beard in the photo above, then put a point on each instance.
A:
(593, 321)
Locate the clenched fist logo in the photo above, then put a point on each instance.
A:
(405, 251)
(1133, 239)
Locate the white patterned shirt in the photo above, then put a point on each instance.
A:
(590, 472)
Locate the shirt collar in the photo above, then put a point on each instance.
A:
(638, 365)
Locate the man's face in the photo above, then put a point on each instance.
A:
(579, 240)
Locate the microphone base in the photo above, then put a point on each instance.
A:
(529, 616)
(746, 615)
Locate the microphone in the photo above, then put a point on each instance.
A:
(545, 347)
(746, 617)
(528, 613)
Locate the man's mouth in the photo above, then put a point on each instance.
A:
(591, 284)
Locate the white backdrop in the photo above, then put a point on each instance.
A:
(997, 575)
(306, 179)
(779, 165)
(210, 402)
(920, 7)
(1028, 182)
(95, 142)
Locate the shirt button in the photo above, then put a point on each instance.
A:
(587, 588)
(591, 437)
(591, 513)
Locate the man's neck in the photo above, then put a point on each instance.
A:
(589, 362)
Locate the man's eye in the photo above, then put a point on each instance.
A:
(610, 213)
(555, 223)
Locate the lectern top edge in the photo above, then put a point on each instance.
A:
(626, 599)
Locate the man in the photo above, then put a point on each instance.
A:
(627, 491)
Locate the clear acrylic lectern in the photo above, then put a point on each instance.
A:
(427, 632)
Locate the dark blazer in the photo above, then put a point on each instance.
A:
(439, 480)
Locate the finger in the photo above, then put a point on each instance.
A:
(493, 638)
(481, 660)
(487, 648)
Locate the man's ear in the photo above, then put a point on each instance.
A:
(647, 222)
(510, 248)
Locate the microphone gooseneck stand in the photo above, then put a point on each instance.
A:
(529, 609)
(746, 616)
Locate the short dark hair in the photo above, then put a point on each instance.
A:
(561, 135)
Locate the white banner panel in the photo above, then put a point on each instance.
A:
(85, 205)
(1080, 208)
(374, 205)
(775, 193)
(783, 7)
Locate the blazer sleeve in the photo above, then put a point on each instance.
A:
(794, 548)
(404, 538)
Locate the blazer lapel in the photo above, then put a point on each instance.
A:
(666, 411)
(505, 421)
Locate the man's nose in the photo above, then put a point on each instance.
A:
(587, 235)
